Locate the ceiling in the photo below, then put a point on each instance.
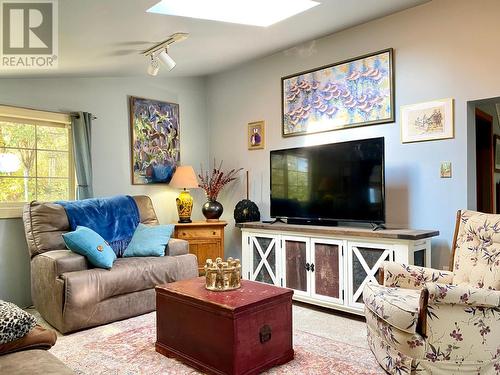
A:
(105, 37)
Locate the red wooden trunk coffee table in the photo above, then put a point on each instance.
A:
(244, 331)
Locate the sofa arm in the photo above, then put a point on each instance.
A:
(47, 287)
(412, 277)
(177, 247)
(462, 295)
(65, 261)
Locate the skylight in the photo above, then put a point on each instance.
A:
(246, 12)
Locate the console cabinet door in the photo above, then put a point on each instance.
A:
(296, 264)
(263, 257)
(363, 263)
(327, 270)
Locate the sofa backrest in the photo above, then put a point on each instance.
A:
(45, 222)
(476, 250)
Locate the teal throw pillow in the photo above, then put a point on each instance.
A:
(86, 242)
(149, 241)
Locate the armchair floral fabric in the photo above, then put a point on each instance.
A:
(413, 277)
(456, 326)
(477, 250)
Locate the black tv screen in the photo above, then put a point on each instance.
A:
(329, 183)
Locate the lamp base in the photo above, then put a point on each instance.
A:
(184, 206)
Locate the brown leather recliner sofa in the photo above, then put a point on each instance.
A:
(71, 295)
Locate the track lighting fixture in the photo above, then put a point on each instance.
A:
(154, 66)
(159, 53)
(166, 59)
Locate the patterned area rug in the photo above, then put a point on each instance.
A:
(127, 347)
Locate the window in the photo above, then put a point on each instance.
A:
(36, 160)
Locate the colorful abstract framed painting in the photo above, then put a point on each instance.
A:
(427, 121)
(155, 141)
(350, 93)
(256, 135)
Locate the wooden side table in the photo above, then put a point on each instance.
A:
(206, 239)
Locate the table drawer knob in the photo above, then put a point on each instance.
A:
(214, 233)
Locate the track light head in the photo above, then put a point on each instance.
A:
(159, 52)
(153, 66)
(166, 59)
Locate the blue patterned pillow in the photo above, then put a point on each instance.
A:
(86, 242)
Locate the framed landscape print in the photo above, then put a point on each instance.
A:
(350, 93)
(155, 142)
(256, 134)
(427, 121)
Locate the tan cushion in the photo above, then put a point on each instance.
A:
(37, 338)
(32, 362)
(126, 276)
(477, 250)
(44, 224)
(147, 212)
(397, 306)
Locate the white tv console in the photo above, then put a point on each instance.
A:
(327, 266)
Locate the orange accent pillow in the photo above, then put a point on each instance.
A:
(37, 338)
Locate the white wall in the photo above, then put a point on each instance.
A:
(107, 99)
(442, 49)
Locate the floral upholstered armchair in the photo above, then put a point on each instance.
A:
(426, 321)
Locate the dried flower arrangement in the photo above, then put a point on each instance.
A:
(213, 182)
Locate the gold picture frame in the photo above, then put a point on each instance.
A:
(445, 169)
(350, 93)
(428, 121)
(256, 135)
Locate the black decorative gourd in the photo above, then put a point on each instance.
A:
(246, 211)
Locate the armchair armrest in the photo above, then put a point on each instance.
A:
(64, 261)
(462, 295)
(47, 287)
(412, 277)
(177, 247)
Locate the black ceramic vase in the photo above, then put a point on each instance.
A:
(212, 210)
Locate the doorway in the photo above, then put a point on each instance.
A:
(485, 178)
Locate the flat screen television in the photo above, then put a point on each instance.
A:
(329, 183)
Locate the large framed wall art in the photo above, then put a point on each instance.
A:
(350, 93)
(155, 142)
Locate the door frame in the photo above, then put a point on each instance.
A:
(488, 118)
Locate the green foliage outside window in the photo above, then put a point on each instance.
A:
(34, 162)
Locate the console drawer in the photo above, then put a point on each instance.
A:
(194, 233)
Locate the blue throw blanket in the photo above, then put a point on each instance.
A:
(114, 218)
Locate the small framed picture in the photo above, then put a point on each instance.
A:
(256, 134)
(445, 170)
(427, 121)
(496, 144)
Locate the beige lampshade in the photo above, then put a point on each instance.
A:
(184, 178)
